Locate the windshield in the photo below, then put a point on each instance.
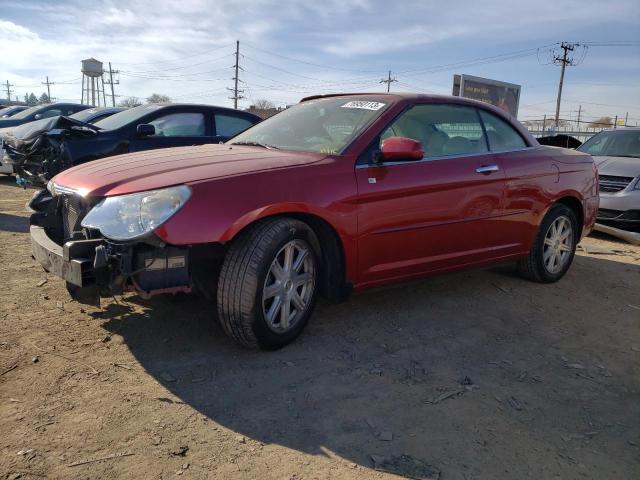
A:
(8, 111)
(621, 143)
(325, 125)
(85, 115)
(126, 117)
(27, 112)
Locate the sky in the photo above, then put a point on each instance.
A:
(290, 49)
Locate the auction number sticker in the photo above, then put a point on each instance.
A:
(364, 105)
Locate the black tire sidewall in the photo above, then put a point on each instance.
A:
(555, 212)
(266, 337)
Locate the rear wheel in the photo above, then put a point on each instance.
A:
(268, 283)
(553, 248)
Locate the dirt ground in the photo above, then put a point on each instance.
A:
(476, 375)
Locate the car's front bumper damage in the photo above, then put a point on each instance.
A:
(94, 267)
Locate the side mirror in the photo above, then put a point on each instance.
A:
(401, 148)
(37, 116)
(145, 130)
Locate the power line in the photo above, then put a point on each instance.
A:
(478, 61)
(182, 66)
(308, 63)
(163, 77)
(179, 59)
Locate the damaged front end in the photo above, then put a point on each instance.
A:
(37, 150)
(94, 266)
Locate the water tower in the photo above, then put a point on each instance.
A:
(92, 83)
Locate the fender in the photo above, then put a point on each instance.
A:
(276, 209)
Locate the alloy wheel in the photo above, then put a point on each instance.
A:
(289, 286)
(558, 244)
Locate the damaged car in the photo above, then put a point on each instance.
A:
(19, 162)
(339, 192)
(28, 115)
(37, 153)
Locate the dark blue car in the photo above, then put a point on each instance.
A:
(39, 155)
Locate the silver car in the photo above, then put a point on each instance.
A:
(617, 156)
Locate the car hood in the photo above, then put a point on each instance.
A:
(60, 124)
(618, 166)
(153, 169)
(4, 132)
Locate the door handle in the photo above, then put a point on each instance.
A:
(487, 169)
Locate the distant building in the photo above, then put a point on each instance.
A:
(264, 113)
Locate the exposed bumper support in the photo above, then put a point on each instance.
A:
(73, 261)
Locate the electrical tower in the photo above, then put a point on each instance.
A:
(563, 60)
(236, 92)
(388, 81)
(8, 89)
(112, 83)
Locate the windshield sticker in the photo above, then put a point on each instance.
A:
(364, 105)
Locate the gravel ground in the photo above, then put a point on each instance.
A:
(475, 375)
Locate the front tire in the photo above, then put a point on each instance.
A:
(268, 283)
(553, 248)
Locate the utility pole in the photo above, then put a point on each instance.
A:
(112, 83)
(388, 81)
(579, 112)
(563, 60)
(626, 117)
(236, 92)
(47, 83)
(9, 91)
(544, 123)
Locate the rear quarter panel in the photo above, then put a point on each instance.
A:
(536, 178)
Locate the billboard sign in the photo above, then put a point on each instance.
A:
(500, 94)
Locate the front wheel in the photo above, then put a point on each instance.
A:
(268, 283)
(553, 247)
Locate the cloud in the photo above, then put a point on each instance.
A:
(357, 40)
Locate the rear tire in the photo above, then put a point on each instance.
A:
(275, 260)
(553, 248)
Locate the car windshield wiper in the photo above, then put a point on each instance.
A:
(625, 156)
(256, 144)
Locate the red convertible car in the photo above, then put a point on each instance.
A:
(337, 192)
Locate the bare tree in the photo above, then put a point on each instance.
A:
(601, 122)
(263, 104)
(129, 102)
(159, 98)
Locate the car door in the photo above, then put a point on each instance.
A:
(174, 128)
(530, 174)
(431, 214)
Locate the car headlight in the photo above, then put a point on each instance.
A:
(125, 217)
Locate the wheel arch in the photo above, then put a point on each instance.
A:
(333, 264)
(574, 203)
